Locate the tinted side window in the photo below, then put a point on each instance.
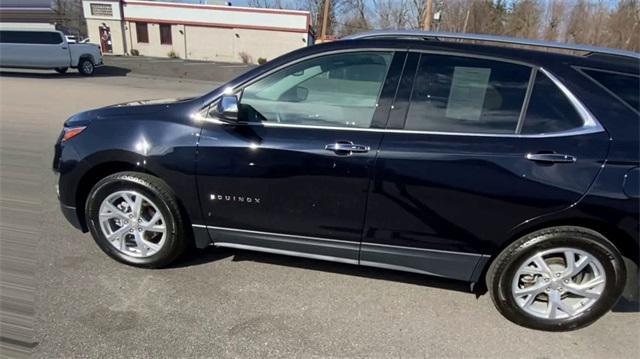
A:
(335, 90)
(549, 109)
(30, 37)
(626, 87)
(459, 94)
(53, 38)
(13, 37)
(6, 37)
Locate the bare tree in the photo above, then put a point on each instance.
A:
(554, 14)
(70, 16)
(355, 17)
(624, 26)
(523, 19)
(271, 4)
(454, 14)
(577, 28)
(417, 12)
(391, 13)
(487, 17)
(581, 21)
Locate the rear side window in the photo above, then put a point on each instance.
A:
(625, 86)
(466, 95)
(30, 37)
(549, 109)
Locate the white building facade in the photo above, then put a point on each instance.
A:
(195, 32)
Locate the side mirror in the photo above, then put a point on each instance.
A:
(295, 94)
(227, 108)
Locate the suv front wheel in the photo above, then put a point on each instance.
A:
(557, 279)
(135, 219)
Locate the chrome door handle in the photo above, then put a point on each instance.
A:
(551, 157)
(347, 147)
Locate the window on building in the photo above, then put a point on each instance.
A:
(467, 95)
(549, 109)
(165, 34)
(336, 90)
(142, 32)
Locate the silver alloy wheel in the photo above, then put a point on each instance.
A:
(87, 67)
(132, 224)
(558, 283)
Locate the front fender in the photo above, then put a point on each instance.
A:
(162, 148)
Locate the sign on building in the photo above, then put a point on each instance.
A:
(102, 10)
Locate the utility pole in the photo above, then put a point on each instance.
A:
(325, 16)
(427, 16)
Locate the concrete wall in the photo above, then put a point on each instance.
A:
(267, 44)
(216, 44)
(224, 16)
(199, 32)
(210, 44)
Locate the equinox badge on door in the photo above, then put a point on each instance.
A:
(227, 198)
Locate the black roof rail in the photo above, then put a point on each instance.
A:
(416, 34)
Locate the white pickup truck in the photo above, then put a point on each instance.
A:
(47, 49)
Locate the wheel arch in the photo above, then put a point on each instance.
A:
(621, 240)
(104, 169)
(85, 56)
(95, 174)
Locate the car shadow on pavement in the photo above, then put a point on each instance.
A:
(103, 71)
(210, 254)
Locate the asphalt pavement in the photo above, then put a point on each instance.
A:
(63, 298)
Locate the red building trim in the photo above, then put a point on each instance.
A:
(218, 7)
(216, 25)
(228, 8)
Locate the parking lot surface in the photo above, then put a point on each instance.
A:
(223, 303)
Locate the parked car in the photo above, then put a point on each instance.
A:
(506, 167)
(47, 49)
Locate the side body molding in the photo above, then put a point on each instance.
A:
(448, 264)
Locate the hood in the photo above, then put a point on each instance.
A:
(163, 101)
(132, 109)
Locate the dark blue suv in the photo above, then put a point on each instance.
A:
(506, 167)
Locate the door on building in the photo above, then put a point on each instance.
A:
(105, 39)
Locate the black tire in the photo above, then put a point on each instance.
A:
(503, 269)
(86, 67)
(61, 70)
(162, 196)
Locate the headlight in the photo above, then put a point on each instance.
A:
(71, 132)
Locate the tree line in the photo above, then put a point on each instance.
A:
(613, 24)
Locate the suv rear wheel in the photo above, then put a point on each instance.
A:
(558, 279)
(135, 219)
